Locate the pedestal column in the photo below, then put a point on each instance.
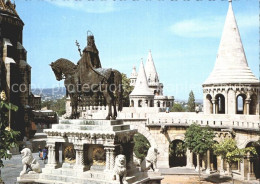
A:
(79, 165)
(208, 162)
(51, 155)
(110, 157)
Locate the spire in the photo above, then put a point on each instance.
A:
(141, 85)
(231, 63)
(150, 69)
(134, 73)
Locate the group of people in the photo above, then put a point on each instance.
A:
(43, 153)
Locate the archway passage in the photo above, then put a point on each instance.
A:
(141, 146)
(213, 161)
(253, 105)
(220, 104)
(255, 159)
(177, 154)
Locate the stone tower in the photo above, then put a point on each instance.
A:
(152, 76)
(15, 71)
(142, 95)
(231, 87)
(133, 76)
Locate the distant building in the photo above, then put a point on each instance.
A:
(148, 91)
(35, 102)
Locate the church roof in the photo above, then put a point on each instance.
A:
(134, 73)
(141, 85)
(231, 64)
(150, 69)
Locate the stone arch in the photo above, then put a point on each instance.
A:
(240, 104)
(177, 153)
(140, 103)
(253, 104)
(151, 103)
(220, 104)
(132, 103)
(142, 130)
(208, 104)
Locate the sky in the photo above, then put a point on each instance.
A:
(183, 36)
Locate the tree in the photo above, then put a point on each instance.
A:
(177, 108)
(141, 146)
(199, 140)
(58, 106)
(191, 102)
(8, 137)
(229, 152)
(127, 90)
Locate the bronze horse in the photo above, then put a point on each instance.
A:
(107, 82)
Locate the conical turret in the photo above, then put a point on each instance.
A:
(231, 63)
(150, 69)
(141, 86)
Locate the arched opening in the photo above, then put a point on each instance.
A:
(213, 160)
(132, 103)
(255, 159)
(140, 103)
(240, 104)
(209, 105)
(253, 104)
(158, 104)
(177, 154)
(220, 104)
(151, 103)
(141, 146)
(163, 104)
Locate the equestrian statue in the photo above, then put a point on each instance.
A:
(88, 78)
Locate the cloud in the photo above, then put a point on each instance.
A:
(87, 6)
(211, 26)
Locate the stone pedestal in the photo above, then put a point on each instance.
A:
(92, 149)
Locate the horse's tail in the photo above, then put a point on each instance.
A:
(119, 89)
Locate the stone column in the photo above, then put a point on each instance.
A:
(51, 155)
(198, 162)
(214, 106)
(222, 171)
(110, 157)
(247, 101)
(189, 159)
(79, 165)
(250, 174)
(208, 162)
(107, 159)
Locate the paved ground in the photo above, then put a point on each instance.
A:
(181, 175)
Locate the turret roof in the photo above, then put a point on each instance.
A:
(231, 64)
(141, 85)
(150, 69)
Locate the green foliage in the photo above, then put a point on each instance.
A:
(191, 102)
(177, 149)
(127, 90)
(229, 151)
(177, 108)
(8, 137)
(58, 106)
(199, 139)
(141, 146)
